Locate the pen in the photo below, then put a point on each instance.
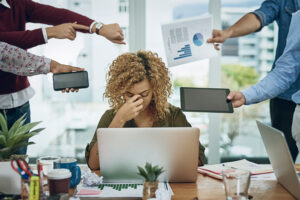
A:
(229, 166)
(166, 185)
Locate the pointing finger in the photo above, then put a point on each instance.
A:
(80, 26)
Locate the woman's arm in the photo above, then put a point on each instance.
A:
(94, 162)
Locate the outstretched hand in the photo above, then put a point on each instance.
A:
(56, 68)
(65, 31)
(218, 36)
(113, 33)
(237, 98)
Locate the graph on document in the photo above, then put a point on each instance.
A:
(184, 52)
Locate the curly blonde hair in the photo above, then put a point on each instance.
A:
(131, 68)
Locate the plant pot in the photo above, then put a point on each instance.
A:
(10, 180)
(149, 189)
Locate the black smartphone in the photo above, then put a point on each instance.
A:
(74, 80)
(205, 100)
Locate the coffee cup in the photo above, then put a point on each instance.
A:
(48, 163)
(71, 164)
(59, 181)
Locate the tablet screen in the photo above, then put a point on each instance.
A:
(205, 100)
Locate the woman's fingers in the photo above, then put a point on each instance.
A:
(134, 98)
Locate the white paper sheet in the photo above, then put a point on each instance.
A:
(185, 40)
(109, 192)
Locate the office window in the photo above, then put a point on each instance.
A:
(239, 135)
(193, 74)
(71, 119)
(123, 6)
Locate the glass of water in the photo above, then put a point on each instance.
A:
(236, 183)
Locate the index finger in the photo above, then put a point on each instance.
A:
(80, 26)
(134, 98)
(213, 40)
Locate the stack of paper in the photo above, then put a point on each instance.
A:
(215, 171)
(118, 190)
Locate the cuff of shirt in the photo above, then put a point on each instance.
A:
(91, 26)
(249, 94)
(46, 70)
(45, 34)
(262, 17)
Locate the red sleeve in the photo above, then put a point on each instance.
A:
(23, 39)
(40, 13)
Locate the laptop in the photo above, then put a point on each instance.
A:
(121, 150)
(280, 158)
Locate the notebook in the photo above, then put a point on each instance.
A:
(215, 171)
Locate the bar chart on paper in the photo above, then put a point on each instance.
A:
(115, 190)
(185, 40)
(184, 52)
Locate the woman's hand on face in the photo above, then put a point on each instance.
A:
(131, 108)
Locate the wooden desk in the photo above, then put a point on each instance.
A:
(211, 189)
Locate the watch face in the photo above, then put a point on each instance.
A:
(98, 27)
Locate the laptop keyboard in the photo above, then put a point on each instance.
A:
(118, 187)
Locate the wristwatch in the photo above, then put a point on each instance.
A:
(98, 27)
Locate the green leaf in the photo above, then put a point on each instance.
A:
(142, 173)
(150, 173)
(5, 153)
(38, 130)
(2, 140)
(3, 123)
(148, 167)
(16, 125)
(20, 138)
(20, 145)
(26, 128)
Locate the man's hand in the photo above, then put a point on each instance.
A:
(57, 68)
(219, 36)
(113, 33)
(237, 98)
(65, 31)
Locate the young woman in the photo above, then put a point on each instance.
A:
(138, 85)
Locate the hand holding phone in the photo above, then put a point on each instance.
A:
(74, 80)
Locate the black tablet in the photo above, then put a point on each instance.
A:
(205, 100)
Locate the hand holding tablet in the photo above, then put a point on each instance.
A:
(205, 100)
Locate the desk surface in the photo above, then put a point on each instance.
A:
(211, 189)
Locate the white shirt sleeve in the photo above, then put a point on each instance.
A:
(22, 63)
(91, 26)
(45, 34)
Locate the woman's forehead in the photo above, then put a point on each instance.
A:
(140, 87)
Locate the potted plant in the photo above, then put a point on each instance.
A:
(150, 174)
(10, 141)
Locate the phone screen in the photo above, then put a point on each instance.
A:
(70, 80)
